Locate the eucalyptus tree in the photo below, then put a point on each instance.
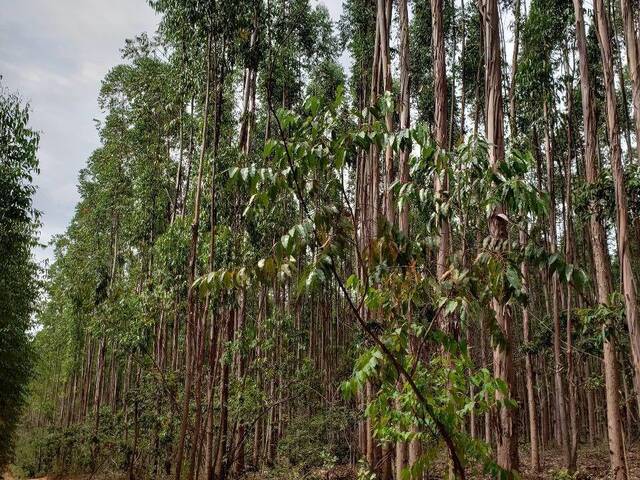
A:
(543, 32)
(276, 264)
(506, 441)
(18, 270)
(628, 282)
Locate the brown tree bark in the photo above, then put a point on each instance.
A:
(191, 294)
(633, 57)
(514, 71)
(441, 184)
(600, 255)
(221, 466)
(569, 254)
(384, 23)
(506, 434)
(405, 106)
(561, 410)
(531, 400)
(624, 249)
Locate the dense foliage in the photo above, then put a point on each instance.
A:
(271, 267)
(18, 271)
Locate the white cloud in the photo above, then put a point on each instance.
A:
(55, 54)
(334, 7)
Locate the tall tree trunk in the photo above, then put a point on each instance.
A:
(633, 57)
(591, 413)
(97, 394)
(191, 294)
(406, 454)
(569, 254)
(561, 410)
(221, 467)
(384, 20)
(622, 211)
(531, 401)
(405, 106)
(441, 184)
(249, 95)
(214, 360)
(602, 266)
(514, 71)
(624, 248)
(506, 438)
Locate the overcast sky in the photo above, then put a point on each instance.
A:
(54, 53)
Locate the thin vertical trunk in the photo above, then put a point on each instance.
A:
(506, 438)
(591, 413)
(238, 447)
(600, 255)
(191, 294)
(370, 444)
(562, 425)
(485, 363)
(441, 182)
(210, 302)
(463, 89)
(178, 182)
(221, 467)
(624, 249)
(97, 394)
(514, 71)
(248, 105)
(569, 254)
(213, 360)
(622, 214)
(187, 175)
(633, 57)
(406, 453)
(383, 20)
(199, 372)
(531, 402)
(405, 106)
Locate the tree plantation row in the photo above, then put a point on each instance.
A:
(404, 245)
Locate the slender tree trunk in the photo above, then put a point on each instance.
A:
(600, 255)
(191, 295)
(624, 247)
(633, 57)
(591, 413)
(405, 106)
(97, 394)
(506, 438)
(221, 467)
(514, 71)
(562, 425)
(383, 20)
(569, 254)
(622, 213)
(441, 183)
(531, 402)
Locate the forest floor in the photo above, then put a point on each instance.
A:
(593, 465)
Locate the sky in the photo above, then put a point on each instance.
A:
(54, 54)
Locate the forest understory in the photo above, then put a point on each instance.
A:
(593, 463)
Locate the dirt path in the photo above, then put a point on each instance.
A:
(8, 476)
